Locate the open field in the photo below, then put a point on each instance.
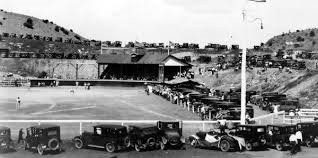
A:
(99, 103)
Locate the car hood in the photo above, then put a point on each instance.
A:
(172, 133)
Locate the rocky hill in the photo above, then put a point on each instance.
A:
(300, 40)
(24, 24)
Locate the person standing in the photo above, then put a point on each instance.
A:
(299, 137)
(293, 142)
(18, 104)
(222, 124)
(202, 112)
(20, 137)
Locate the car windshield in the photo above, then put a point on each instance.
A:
(52, 132)
(119, 132)
(171, 125)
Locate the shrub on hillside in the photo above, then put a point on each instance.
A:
(71, 30)
(204, 59)
(0, 23)
(300, 39)
(51, 22)
(313, 42)
(77, 37)
(45, 21)
(29, 23)
(64, 31)
(4, 18)
(312, 33)
(57, 29)
(297, 31)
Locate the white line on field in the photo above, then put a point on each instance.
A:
(72, 109)
(149, 111)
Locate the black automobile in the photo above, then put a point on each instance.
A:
(253, 135)
(109, 137)
(309, 132)
(5, 138)
(143, 136)
(270, 98)
(170, 133)
(277, 135)
(44, 137)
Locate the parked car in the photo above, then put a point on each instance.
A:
(215, 139)
(109, 137)
(279, 135)
(44, 137)
(5, 138)
(253, 135)
(170, 134)
(143, 136)
(309, 132)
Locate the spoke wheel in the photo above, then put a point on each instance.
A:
(110, 147)
(279, 147)
(248, 146)
(225, 145)
(78, 143)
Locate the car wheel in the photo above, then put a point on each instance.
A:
(308, 143)
(127, 142)
(225, 145)
(279, 147)
(248, 146)
(137, 148)
(78, 143)
(162, 145)
(194, 143)
(40, 149)
(110, 147)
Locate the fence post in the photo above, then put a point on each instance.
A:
(122, 123)
(192, 109)
(284, 117)
(210, 115)
(39, 123)
(80, 130)
(272, 119)
(203, 126)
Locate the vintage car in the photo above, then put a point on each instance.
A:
(5, 138)
(221, 141)
(44, 137)
(277, 135)
(309, 132)
(286, 105)
(109, 137)
(170, 134)
(269, 99)
(143, 136)
(253, 135)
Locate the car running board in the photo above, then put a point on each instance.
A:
(96, 146)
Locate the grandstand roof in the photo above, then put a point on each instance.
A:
(156, 58)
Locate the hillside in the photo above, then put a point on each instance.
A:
(14, 23)
(300, 39)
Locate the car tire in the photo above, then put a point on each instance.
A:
(194, 143)
(248, 146)
(127, 142)
(110, 147)
(162, 146)
(137, 148)
(151, 142)
(279, 147)
(78, 143)
(308, 143)
(40, 149)
(225, 145)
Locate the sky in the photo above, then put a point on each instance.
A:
(192, 21)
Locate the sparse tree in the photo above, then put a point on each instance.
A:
(312, 33)
(29, 23)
